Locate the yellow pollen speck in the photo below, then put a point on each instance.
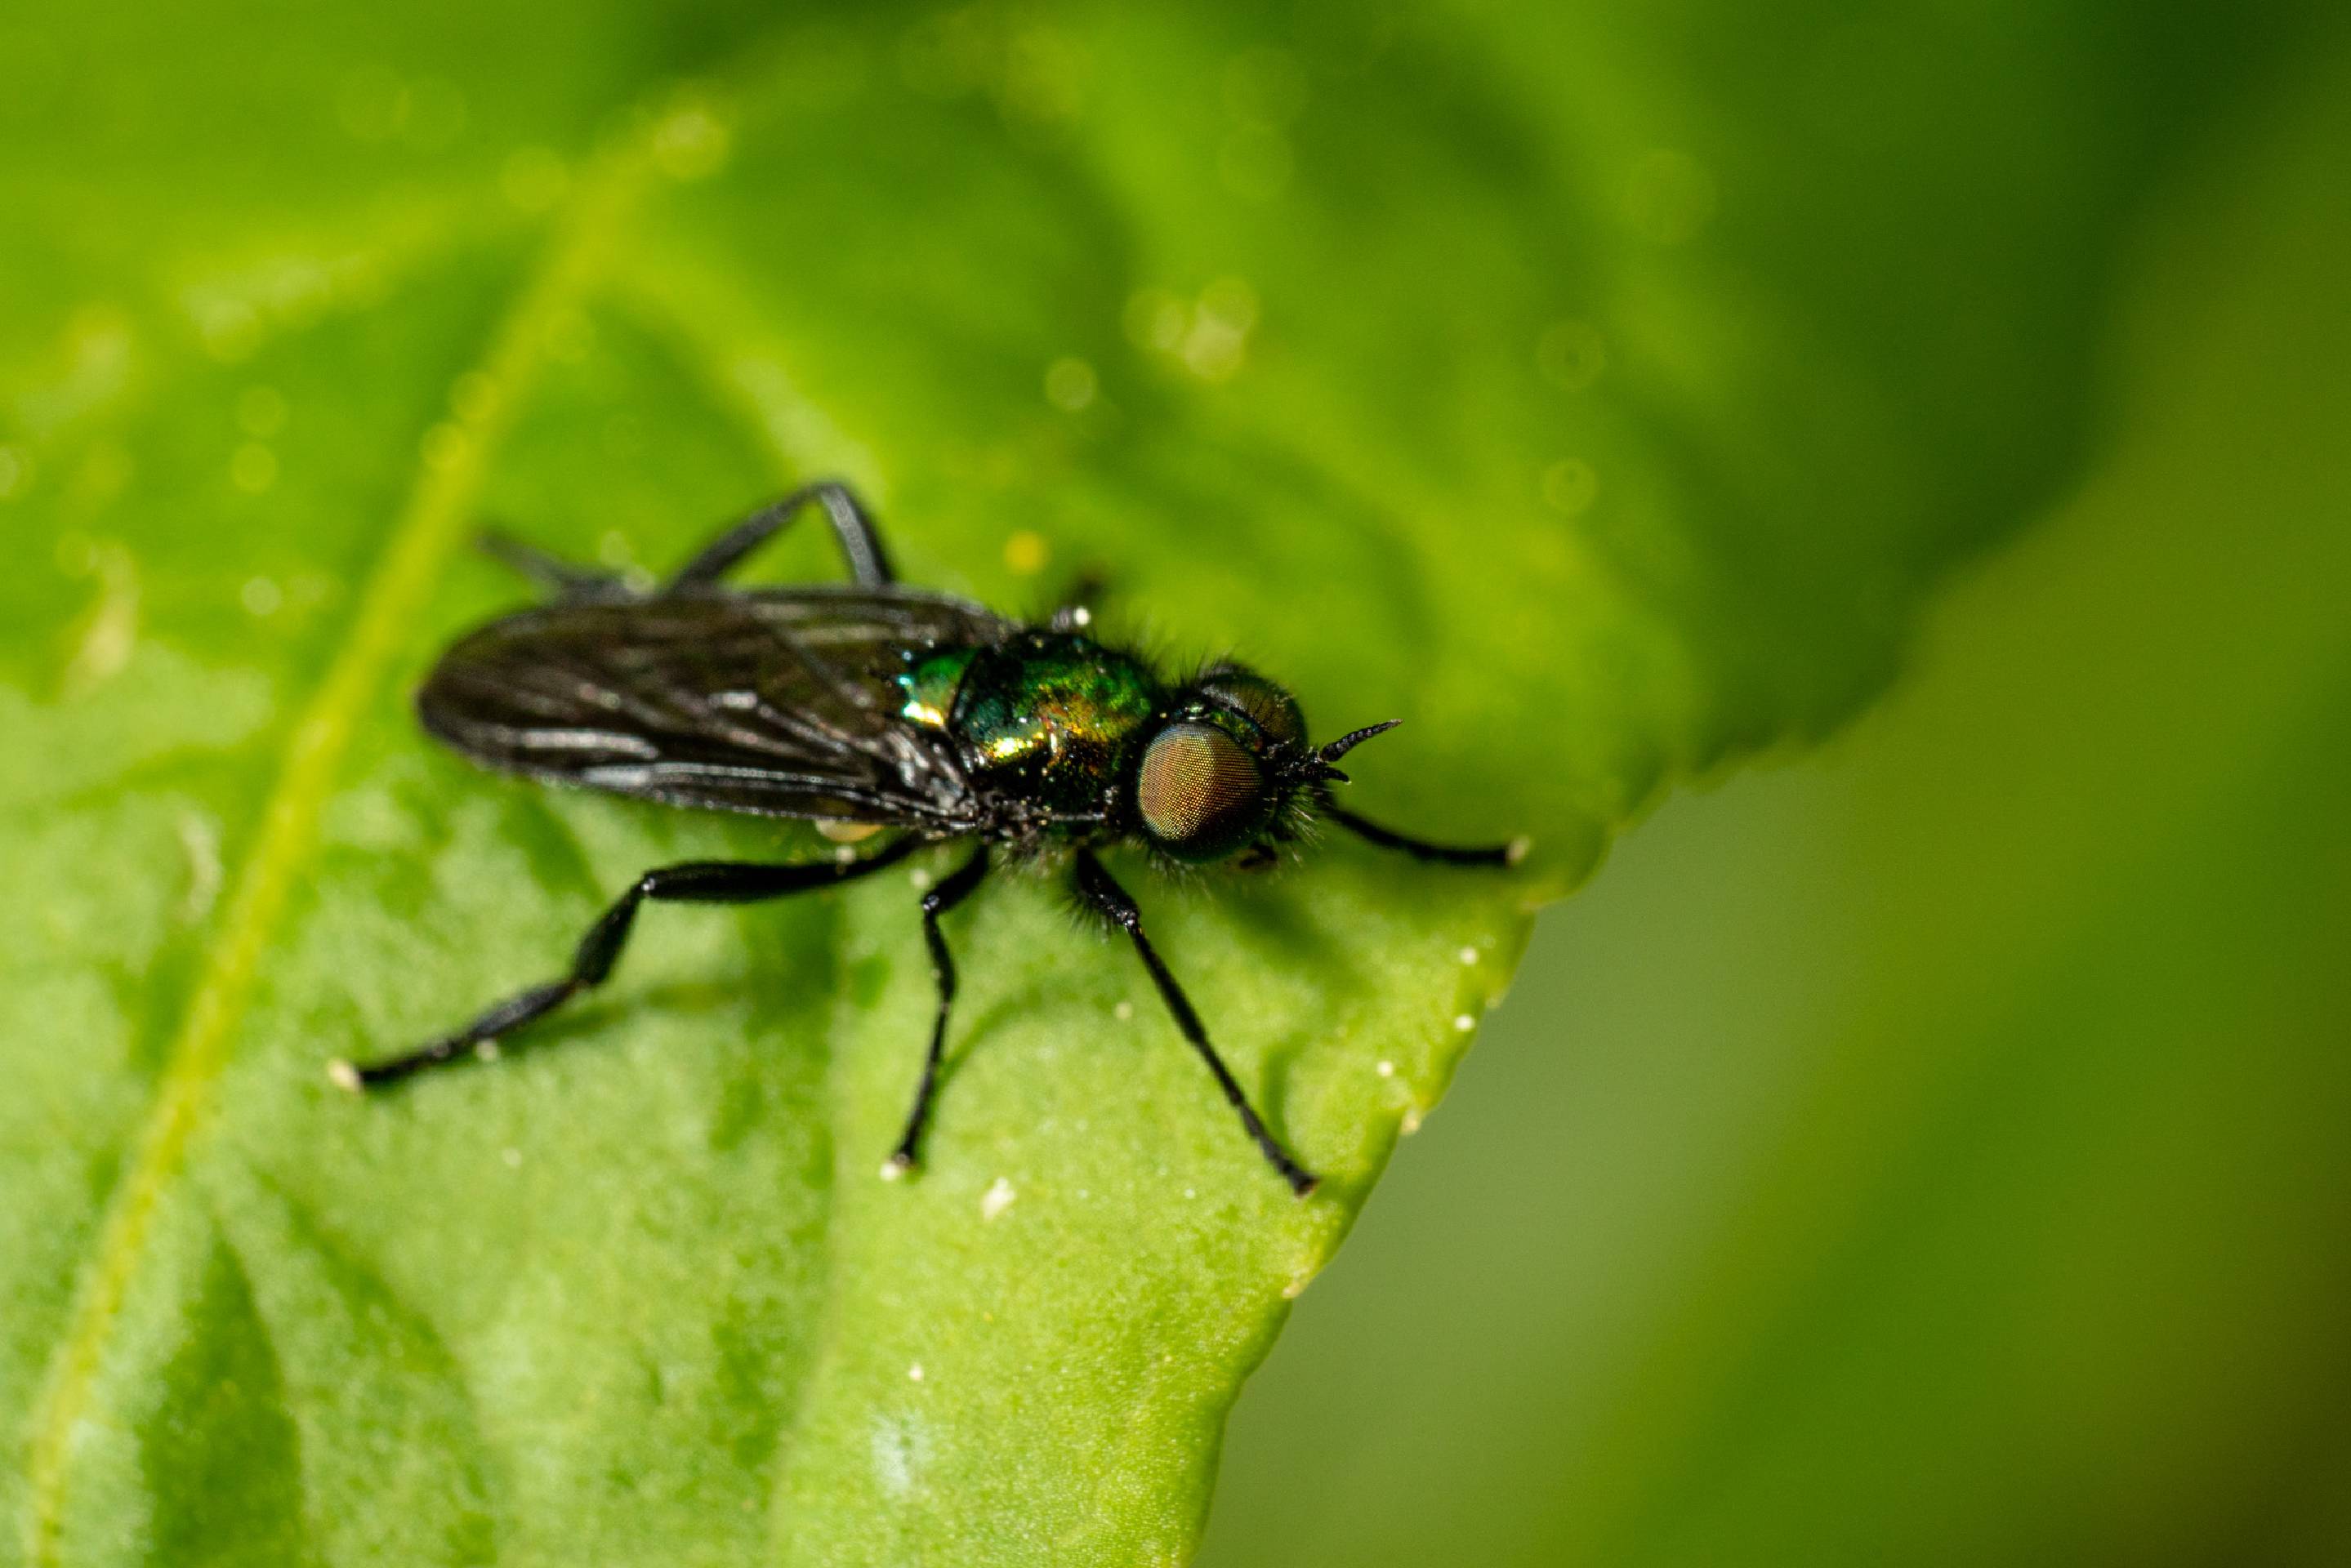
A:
(1025, 552)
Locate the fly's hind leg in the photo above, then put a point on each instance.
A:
(697, 882)
(860, 542)
(569, 582)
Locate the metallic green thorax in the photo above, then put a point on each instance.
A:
(1048, 718)
(930, 684)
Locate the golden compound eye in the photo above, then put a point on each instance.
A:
(1269, 707)
(1201, 794)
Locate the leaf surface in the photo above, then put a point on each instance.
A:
(1600, 392)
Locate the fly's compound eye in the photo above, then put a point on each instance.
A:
(1267, 706)
(1200, 794)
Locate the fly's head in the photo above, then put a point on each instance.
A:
(1230, 771)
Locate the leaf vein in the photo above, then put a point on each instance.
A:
(428, 527)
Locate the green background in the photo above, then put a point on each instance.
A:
(1935, 1150)
(1897, 446)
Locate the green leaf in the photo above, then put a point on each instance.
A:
(1600, 392)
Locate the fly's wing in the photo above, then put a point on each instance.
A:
(782, 703)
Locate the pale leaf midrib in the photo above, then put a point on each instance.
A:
(430, 526)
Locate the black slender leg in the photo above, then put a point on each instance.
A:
(861, 544)
(1422, 850)
(936, 903)
(569, 582)
(1102, 890)
(697, 882)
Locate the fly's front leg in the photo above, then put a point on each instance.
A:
(1509, 853)
(860, 542)
(936, 903)
(697, 882)
(1102, 890)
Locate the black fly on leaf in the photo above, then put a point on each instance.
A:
(874, 708)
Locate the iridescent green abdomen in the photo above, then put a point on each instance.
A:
(1047, 718)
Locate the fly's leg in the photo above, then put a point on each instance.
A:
(697, 882)
(936, 903)
(1509, 853)
(1099, 889)
(571, 583)
(861, 544)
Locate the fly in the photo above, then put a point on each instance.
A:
(886, 713)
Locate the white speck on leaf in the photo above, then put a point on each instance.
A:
(901, 1449)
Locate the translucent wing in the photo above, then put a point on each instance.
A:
(782, 703)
